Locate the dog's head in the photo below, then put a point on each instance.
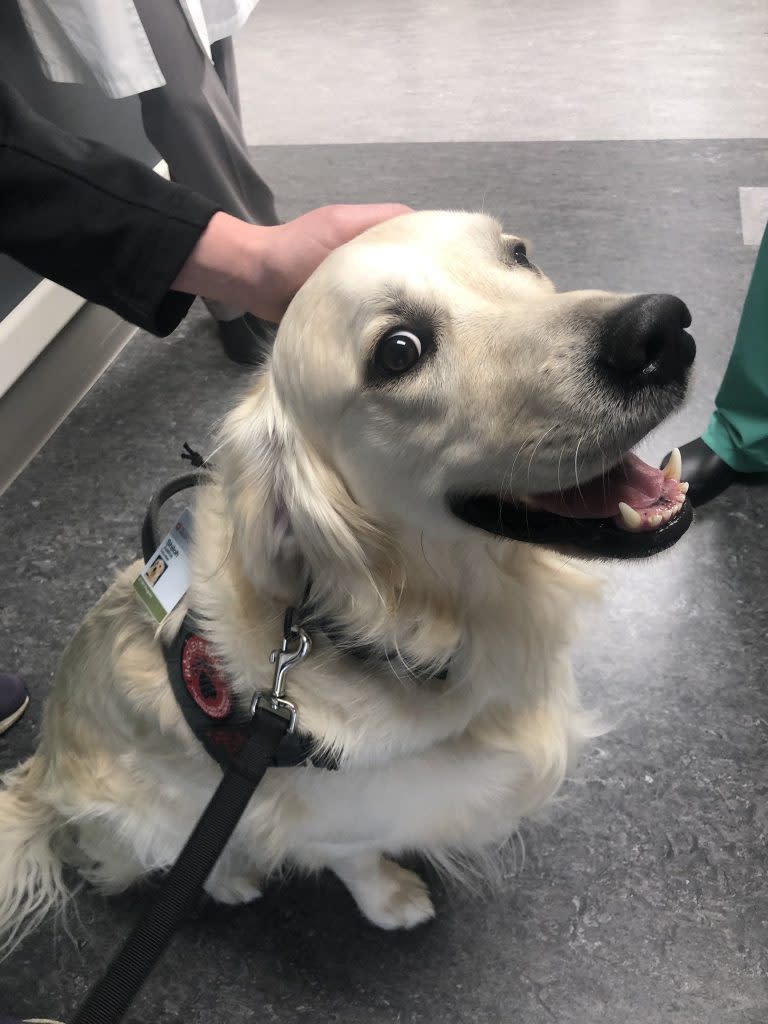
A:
(429, 379)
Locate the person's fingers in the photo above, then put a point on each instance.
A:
(334, 225)
(373, 213)
(299, 246)
(353, 220)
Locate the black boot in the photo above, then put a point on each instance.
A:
(704, 471)
(247, 339)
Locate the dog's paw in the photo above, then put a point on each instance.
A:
(232, 889)
(394, 897)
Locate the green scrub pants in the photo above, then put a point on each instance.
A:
(738, 429)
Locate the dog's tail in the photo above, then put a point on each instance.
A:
(31, 875)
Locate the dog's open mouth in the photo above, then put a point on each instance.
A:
(632, 511)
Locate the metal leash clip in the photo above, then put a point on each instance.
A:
(296, 645)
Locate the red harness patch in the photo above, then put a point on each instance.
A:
(203, 679)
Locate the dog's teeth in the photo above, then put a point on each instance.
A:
(684, 487)
(674, 467)
(631, 519)
(655, 521)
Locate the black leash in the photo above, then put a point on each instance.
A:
(110, 997)
(272, 719)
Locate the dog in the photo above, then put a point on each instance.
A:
(437, 433)
(155, 571)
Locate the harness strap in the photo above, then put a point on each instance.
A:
(367, 652)
(109, 999)
(204, 696)
(150, 536)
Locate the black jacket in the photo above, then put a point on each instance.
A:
(97, 222)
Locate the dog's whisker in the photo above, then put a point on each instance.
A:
(576, 469)
(509, 474)
(559, 462)
(424, 555)
(533, 453)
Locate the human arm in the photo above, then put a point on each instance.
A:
(93, 220)
(112, 230)
(261, 268)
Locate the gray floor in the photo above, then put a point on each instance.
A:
(479, 70)
(642, 896)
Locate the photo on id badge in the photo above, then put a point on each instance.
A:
(155, 571)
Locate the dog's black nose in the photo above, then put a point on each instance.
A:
(646, 339)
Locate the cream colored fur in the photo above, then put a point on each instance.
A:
(320, 472)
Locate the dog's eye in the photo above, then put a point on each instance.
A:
(398, 352)
(520, 256)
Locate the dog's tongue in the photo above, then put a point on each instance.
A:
(632, 481)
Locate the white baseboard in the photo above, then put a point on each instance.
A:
(67, 368)
(54, 346)
(29, 328)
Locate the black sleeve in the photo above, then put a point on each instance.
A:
(97, 222)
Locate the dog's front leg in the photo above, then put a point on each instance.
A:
(233, 881)
(388, 895)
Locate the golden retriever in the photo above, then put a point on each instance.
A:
(436, 431)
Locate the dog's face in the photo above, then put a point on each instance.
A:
(452, 388)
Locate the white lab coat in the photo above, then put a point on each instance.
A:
(79, 40)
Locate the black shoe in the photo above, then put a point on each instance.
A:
(247, 339)
(704, 471)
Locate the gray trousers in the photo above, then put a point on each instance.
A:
(193, 121)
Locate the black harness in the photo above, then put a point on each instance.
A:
(201, 688)
(212, 711)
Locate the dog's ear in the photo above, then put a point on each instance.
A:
(291, 512)
(248, 462)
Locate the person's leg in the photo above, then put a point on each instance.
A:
(14, 700)
(195, 127)
(735, 442)
(223, 55)
(191, 120)
(738, 429)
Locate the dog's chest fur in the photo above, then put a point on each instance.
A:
(426, 764)
(442, 767)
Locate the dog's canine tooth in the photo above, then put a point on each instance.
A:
(631, 519)
(674, 467)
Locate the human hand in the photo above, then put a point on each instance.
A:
(260, 269)
(295, 249)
